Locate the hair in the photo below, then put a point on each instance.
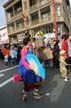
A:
(65, 36)
(34, 39)
(26, 40)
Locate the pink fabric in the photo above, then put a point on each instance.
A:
(16, 78)
(65, 47)
(23, 57)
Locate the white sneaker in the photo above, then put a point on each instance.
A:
(37, 96)
(24, 97)
(65, 79)
(47, 94)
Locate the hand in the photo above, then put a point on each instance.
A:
(31, 67)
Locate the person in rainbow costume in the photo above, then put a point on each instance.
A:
(31, 70)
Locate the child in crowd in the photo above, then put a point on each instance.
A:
(6, 53)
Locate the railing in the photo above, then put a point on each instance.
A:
(33, 7)
(17, 15)
(19, 28)
(46, 18)
(11, 31)
(44, 2)
(35, 22)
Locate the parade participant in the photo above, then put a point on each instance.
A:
(26, 70)
(63, 69)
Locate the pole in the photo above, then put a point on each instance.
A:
(54, 18)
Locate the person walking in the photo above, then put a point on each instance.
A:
(32, 81)
(6, 53)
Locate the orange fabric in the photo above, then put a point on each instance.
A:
(25, 49)
(6, 52)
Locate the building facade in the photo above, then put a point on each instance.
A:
(35, 15)
(4, 39)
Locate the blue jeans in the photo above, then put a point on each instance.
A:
(14, 61)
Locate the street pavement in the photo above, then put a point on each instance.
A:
(10, 92)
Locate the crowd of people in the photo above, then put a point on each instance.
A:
(54, 52)
(10, 54)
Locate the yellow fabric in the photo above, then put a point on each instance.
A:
(63, 70)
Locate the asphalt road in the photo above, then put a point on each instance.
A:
(10, 93)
